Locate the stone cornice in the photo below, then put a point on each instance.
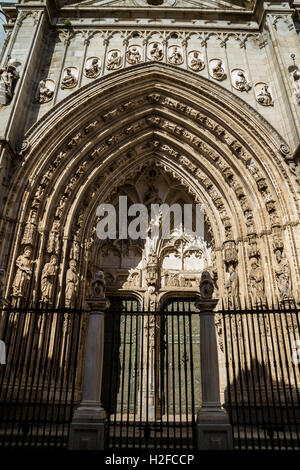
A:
(203, 18)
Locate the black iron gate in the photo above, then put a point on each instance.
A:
(151, 386)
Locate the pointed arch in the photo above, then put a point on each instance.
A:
(218, 147)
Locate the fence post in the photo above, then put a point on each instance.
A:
(88, 424)
(213, 427)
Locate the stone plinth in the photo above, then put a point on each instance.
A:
(213, 427)
(88, 425)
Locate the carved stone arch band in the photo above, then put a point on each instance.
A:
(188, 133)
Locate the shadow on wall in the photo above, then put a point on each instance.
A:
(263, 401)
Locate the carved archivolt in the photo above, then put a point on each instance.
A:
(198, 139)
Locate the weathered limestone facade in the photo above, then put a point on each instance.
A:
(178, 102)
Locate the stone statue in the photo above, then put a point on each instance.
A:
(195, 61)
(241, 82)
(71, 284)
(133, 55)
(8, 75)
(256, 278)
(150, 299)
(45, 93)
(176, 56)
(53, 241)
(232, 286)
(98, 285)
(30, 228)
(93, 70)
(206, 285)
(218, 71)
(23, 274)
(156, 52)
(113, 60)
(69, 80)
(283, 276)
(296, 78)
(47, 280)
(75, 249)
(264, 96)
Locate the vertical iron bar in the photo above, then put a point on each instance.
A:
(113, 368)
(135, 377)
(241, 378)
(193, 423)
(123, 375)
(37, 373)
(129, 379)
(271, 380)
(118, 372)
(258, 380)
(234, 381)
(76, 352)
(173, 380)
(186, 378)
(166, 319)
(51, 401)
(13, 372)
(227, 363)
(179, 380)
(141, 380)
(147, 427)
(247, 381)
(282, 374)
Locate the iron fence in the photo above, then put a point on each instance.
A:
(37, 384)
(151, 377)
(262, 347)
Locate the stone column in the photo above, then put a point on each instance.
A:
(88, 424)
(213, 427)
